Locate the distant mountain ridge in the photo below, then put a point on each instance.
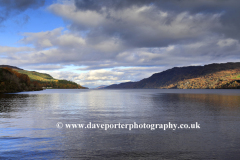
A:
(225, 75)
(101, 87)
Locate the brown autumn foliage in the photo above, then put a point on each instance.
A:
(12, 81)
(22, 82)
(191, 77)
(219, 80)
(23, 77)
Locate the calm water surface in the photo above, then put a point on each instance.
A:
(28, 124)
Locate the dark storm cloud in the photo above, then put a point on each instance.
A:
(193, 6)
(10, 8)
(132, 35)
(113, 4)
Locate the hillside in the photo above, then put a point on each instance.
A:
(44, 80)
(11, 81)
(13, 67)
(36, 76)
(226, 75)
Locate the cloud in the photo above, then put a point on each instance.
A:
(229, 8)
(194, 6)
(103, 75)
(113, 4)
(138, 26)
(44, 67)
(9, 50)
(41, 39)
(9, 8)
(227, 42)
(68, 48)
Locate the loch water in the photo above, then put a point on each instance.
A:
(29, 124)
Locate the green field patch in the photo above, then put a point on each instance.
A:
(36, 76)
(236, 77)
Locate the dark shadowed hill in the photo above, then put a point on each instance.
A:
(224, 75)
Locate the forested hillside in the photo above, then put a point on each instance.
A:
(226, 75)
(14, 79)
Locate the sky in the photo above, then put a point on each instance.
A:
(106, 42)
